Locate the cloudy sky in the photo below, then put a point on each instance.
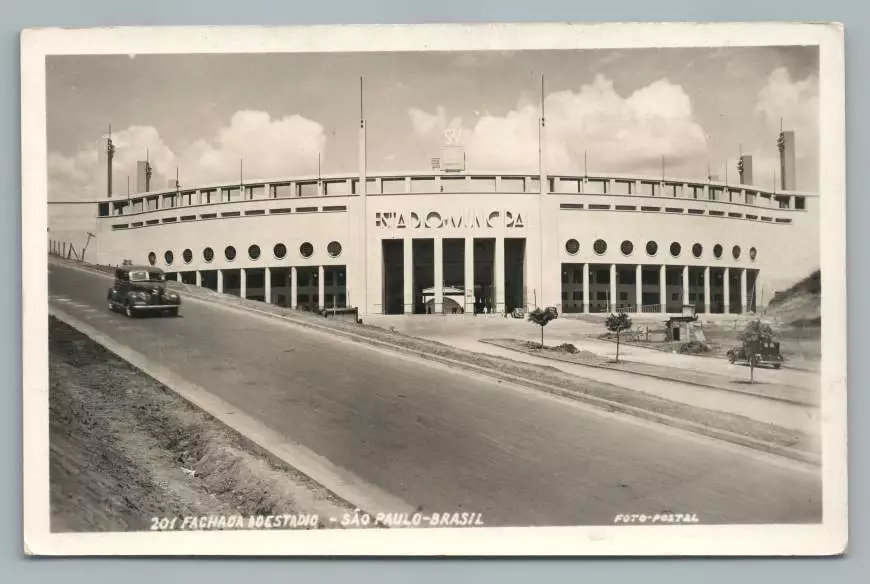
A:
(621, 109)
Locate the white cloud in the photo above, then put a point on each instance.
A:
(623, 134)
(269, 147)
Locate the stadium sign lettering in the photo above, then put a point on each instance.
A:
(436, 220)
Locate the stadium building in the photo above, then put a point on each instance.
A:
(446, 241)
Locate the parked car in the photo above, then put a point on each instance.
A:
(762, 352)
(142, 289)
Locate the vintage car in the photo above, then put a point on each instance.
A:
(758, 353)
(142, 289)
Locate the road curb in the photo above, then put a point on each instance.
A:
(660, 377)
(601, 403)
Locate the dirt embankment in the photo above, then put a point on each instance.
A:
(124, 449)
(800, 305)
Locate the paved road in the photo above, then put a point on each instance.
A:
(444, 440)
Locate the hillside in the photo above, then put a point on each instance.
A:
(799, 305)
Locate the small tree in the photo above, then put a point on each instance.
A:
(755, 333)
(616, 323)
(541, 318)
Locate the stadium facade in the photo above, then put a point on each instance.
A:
(451, 242)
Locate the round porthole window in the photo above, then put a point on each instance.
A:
(626, 247)
(676, 248)
(752, 253)
(735, 251)
(208, 254)
(168, 256)
(187, 255)
(600, 246)
(152, 258)
(572, 246)
(652, 248)
(333, 249)
(306, 250)
(254, 251)
(280, 250)
(230, 253)
(717, 251)
(697, 250)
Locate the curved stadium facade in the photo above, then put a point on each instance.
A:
(459, 243)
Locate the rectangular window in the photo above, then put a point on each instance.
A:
(599, 207)
(717, 213)
(335, 208)
(335, 187)
(783, 220)
(601, 296)
(231, 214)
(280, 211)
(188, 217)
(512, 184)
(653, 209)
(256, 212)
(696, 211)
(306, 209)
(578, 294)
(208, 216)
(623, 295)
(735, 215)
(674, 210)
(170, 219)
(571, 205)
(751, 217)
(625, 208)
(392, 186)
(307, 189)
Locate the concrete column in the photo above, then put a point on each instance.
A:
(321, 287)
(613, 298)
(243, 283)
(439, 274)
(663, 288)
(294, 288)
(178, 276)
(469, 275)
(198, 278)
(685, 286)
(498, 270)
(220, 281)
(586, 288)
(267, 188)
(267, 285)
(707, 307)
(638, 288)
(726, 281)
(408, 270)
(744, 298)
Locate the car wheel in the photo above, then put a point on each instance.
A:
(173, 312)
(776, 366)
(111, 305)
(128, 311)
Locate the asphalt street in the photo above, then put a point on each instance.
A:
(443, 440)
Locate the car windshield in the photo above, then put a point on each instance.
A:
(145, 276)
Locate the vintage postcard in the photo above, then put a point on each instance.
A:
(474, 290)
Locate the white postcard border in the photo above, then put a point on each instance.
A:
(826, 538)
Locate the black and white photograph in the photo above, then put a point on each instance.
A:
(423, 290)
